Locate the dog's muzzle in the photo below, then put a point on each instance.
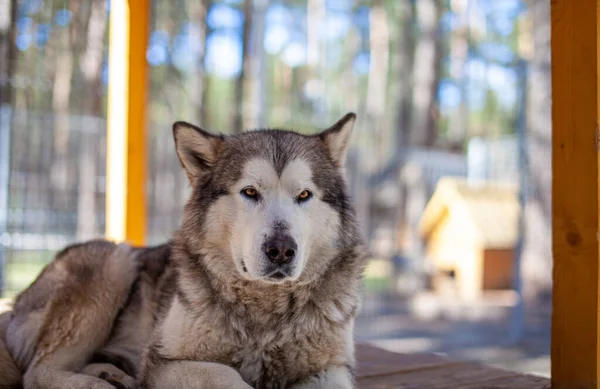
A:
(280, 250)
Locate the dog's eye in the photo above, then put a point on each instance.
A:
(305, 195)
(250, 192)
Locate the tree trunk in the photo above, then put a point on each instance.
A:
(375, 105)
(315, 55)
(91, 65)
(537, 255)
(256, 69)
(315, 16)
(8, 13)
(379, 53)
(204, 111)
(197, 12)
(377, 84)
(403, 71)
(61, 94)
(426, 73)
(459, 50)
(417, 126)
(238, 107)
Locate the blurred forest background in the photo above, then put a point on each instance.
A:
(442, 88)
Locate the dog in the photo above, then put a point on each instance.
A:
(258, 288)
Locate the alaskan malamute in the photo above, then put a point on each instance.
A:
(257, 289)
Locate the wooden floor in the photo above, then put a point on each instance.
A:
(379, 369)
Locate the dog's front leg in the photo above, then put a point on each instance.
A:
(332, 378)
(193, 375)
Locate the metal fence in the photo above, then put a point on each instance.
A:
(52, 126)
(52, 202)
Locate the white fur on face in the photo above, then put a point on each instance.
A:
(245, 224)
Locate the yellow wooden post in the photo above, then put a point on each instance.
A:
(575, 350)
(126, 139)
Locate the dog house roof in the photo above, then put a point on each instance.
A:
(492, 207)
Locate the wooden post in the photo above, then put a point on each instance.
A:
(126, 139)
(575, 106)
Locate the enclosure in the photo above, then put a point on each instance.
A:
(456, 89)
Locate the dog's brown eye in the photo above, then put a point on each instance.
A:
(250, 192)
(304, 195)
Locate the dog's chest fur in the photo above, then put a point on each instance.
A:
(264, 334)
(291, 354)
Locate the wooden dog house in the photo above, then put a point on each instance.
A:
(471, 231)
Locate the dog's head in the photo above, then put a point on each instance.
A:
(270, 204)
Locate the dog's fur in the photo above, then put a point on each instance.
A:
(216, 307)
(10, 377)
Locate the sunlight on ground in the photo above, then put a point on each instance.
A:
(20, 274)
(377, 277)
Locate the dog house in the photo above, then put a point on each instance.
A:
(470, 232)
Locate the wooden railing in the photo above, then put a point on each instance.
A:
(575, 351)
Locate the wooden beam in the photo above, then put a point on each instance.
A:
(126, 139)
(575, 350)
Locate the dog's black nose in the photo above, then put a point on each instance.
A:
(281, 249)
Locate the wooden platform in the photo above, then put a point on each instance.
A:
(379, 369)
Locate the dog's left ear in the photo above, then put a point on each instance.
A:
(197, 149)
(337, 138)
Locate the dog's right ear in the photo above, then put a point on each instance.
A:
(197, 149)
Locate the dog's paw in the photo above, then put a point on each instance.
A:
(79, 381)
(242, 385)
(97, 385)
(333, 378)
(118, 381)
(111, 374)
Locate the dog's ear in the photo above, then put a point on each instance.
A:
(197, 149)
(337, 138)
